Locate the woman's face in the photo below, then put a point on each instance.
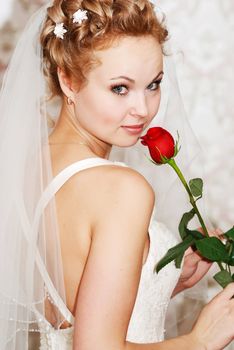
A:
(122, 94)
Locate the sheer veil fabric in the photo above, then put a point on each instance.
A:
(28, 234)
(30, 256)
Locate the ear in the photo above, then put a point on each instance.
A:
(65, 84)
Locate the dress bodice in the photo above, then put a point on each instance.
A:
(155, 289)
(154, 292)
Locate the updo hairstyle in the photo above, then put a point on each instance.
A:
(108, 21)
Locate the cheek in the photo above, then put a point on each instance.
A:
(106, 108)
(112, 114)
(108, 114)
(99, 111)
(154, 106)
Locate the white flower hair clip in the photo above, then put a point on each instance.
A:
(59, 30)
(80, 16)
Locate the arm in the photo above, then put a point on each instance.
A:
(110, 281)
(193, 270)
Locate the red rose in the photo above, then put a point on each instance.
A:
(160, 143)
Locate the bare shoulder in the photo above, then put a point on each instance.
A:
(116, 187)
(118, 181)
(105, 189)
(128, 181)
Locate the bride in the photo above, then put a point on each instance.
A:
(78, 234)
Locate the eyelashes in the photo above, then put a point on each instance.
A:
(155, 85)
(122, 89)
(119, 89)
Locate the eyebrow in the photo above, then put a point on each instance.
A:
(132, 80)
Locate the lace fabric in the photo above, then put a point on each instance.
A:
(147, 323)
(55, 339)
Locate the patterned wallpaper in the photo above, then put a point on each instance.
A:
(11, 27)
(202, 33)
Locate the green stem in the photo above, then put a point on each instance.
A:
(173, 164)
(220, 266)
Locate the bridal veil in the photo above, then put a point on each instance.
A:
(30, 255)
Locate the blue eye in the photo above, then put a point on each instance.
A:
(155, 85)
(120, 89)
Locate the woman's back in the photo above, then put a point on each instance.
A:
(82, 194)
(78, 203)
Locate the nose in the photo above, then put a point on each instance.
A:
(139, 106)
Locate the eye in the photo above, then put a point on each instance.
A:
(154, 85)
(120, 89)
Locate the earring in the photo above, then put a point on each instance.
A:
(69, 101)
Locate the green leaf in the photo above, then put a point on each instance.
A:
(177, 146)
(212, 249)
(230, 234)
(174, 253)
(184, 223)
(223, 278)
(196, 234)
(197, 199)
(196, 187)
(230, 247)
(178, 260)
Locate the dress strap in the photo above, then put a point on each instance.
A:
(57, 182)
(60, 179)
(43, 271)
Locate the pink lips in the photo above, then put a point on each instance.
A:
(134, 129)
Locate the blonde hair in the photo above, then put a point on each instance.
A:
(108, 20)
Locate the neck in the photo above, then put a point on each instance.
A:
(68, 131)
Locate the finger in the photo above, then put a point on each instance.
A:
(196, 257)
(188, 251)
(219, 234)
(228, 292)
(214, 232)
(201, 270)
(193, 258)
(218, 231)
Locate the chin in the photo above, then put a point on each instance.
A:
(127, 143)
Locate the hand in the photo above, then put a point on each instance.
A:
(194, 267)
(193, 270)
(214, 328)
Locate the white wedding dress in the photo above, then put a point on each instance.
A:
(148, 317)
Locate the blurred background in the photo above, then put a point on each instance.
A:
(202, 34)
